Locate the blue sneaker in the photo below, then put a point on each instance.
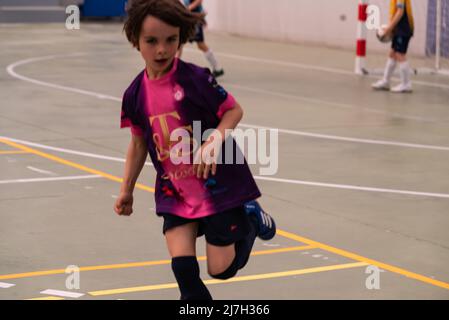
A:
(266, 227)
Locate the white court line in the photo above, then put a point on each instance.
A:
(285, 131)
(59, 293)
(299, 182)
(309, 67)
(5, 285)
(49, 179)
(349, 139)
(84, 154)
(41, 171)
(283, 63)
(11, 71)
(11, 67)
(334, 104)
(266, 61)
(358, 188)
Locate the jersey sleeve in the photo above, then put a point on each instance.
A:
(128, 117)
(400, 4)
(218, 100)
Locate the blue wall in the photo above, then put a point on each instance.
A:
(104, 8)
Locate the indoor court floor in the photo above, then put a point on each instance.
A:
(360, 196)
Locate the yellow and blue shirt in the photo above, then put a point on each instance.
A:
(406, 26)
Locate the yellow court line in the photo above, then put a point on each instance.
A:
(286, 234)
(289, 249)
(235, 279)
(135, 264)
(357, 257)
(47, 298)
(71, 164)
(13, 152)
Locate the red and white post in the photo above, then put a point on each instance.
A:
(361, 38)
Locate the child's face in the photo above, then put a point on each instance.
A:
(158, 44)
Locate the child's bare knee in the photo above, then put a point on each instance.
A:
(216, 268)
(400, 57)
(202, 46)
(222, 271)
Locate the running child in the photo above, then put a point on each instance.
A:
(197, 7)
(197, 198)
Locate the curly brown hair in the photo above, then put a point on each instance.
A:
(171, 12)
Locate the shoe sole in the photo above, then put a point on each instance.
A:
(403, 91)
(381, 89)
(270, 235)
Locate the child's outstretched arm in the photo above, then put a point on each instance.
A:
(135, 160)
(229, 121)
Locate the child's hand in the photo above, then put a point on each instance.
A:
(206, 157)
(124, 204)
(389, 30)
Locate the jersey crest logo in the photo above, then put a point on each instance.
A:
(178, 92)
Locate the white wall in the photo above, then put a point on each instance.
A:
(306, 21)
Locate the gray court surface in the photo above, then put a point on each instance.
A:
(360, 197)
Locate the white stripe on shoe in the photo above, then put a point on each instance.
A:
(264, 218)
(269, 220)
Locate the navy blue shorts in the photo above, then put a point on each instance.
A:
(199, 34)
(220, 229)
(400, 44)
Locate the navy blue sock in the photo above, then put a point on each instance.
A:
(187, 274)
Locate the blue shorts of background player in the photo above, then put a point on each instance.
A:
(196, 6)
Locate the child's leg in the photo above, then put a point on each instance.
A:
(404, 67)
(230, 238)
(223, 262)
(210, 57)
(384, 83)
(202, 46)
(219, 258)
(390, 66)
(405, 74)
(208, 54)
(400, 46)
(181, 243)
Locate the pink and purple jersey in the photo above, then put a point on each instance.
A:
(157, 108)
